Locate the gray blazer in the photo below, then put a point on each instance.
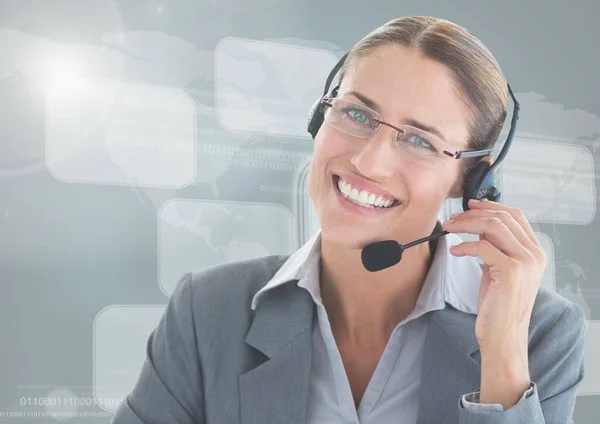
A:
(212, 360)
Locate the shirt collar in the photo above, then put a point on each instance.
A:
(306, 259)
(453, 280)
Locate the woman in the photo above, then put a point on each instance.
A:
(317, 338)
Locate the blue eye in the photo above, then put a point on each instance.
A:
(421, 141)
(415, 141)
(359, 116)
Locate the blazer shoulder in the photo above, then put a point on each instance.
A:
(555, 317)
(232, 284)
(550, 307)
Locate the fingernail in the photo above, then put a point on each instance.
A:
(454, 215)
(449, 221)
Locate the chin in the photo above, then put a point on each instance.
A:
(351, 236)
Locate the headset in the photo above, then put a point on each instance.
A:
(479, 183)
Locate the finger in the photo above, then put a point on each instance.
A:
(516, 213)
(492, 229)
(508, 220)
(535, 246)
(488, 252)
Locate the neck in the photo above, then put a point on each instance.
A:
(363, 306)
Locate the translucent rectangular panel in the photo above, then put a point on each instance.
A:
(115, 133)
(550, 181)
(268, 87)
(120, 336)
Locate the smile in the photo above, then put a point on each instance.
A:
(363, 198)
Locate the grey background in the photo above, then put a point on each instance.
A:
(86, 266)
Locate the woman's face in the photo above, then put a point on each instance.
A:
(405, 86)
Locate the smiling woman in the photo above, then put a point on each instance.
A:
(314, 337)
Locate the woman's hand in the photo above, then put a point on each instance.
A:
(514, 263)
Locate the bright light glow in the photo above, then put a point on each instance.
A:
(60, 74)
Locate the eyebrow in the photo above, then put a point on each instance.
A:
(412, 122)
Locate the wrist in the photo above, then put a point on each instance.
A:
(504, 379)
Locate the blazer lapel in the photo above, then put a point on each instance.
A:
(276, 391)
(451, 365)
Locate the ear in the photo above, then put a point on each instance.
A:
(456, 191)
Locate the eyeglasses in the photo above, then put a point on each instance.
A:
(419, 146)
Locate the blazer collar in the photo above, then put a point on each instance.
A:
(276, 391)
(281, 317)
(290, 310)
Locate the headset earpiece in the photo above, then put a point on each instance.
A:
(316, 114)
(479, 185)
(315, 118)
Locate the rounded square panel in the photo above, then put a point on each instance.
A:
(107, 132)
(120, 336)
(268, 87)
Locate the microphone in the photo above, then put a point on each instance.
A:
(383, 254)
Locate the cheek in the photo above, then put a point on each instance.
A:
(324, 150)
(430, 185)
(330, 142)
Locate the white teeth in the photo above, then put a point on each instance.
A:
(363, 198)
(344, 188)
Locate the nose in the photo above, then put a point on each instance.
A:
(378, 158)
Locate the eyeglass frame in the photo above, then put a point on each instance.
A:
(485, 174)
(458, 154)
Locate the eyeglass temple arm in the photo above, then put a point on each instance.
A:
(468, 153)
